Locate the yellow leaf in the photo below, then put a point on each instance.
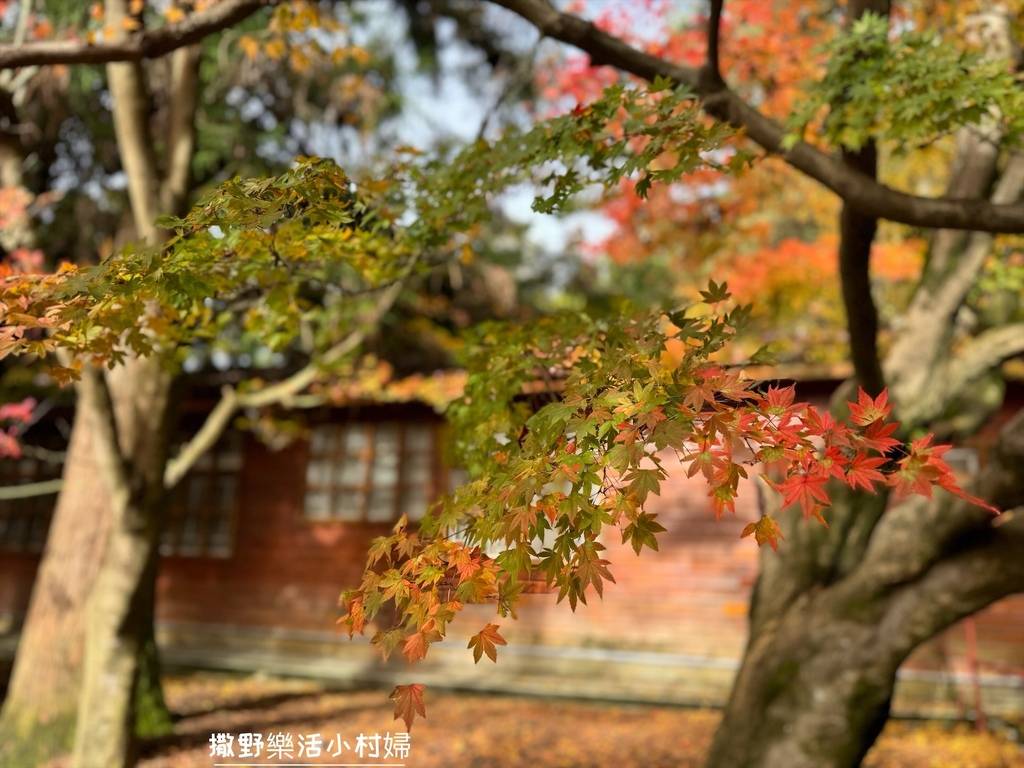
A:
(274, 50)
(249, 45)
(298, 61)
(174, 14)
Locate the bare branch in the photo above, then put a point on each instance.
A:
(712, 67)
(143, 45)
(181, 134)
(28, 490)
(868, 196)
(983, 353)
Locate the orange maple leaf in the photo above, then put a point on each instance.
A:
(408, 702)
(485, 641)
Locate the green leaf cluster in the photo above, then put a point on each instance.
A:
(909, 89)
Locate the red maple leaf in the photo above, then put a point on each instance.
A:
(807, 489)
(876, 436)
(865, 410)
(863, 471)
(825, 426)
(408, 702)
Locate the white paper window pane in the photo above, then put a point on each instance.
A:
(220, 536)
(224, 488)
(417, 470)
(349, 505)
(230, 460)
(355, 439)
(318, 473)
(414, 503)
(386, 439)
(382, 505)
(195, 493)
(318, 506)
(188, 542)
(419, 438)
(385, 469)
(320, 440)
(353, 472)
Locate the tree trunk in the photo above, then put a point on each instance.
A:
(818, 674)
(38, 716)
(119, 612)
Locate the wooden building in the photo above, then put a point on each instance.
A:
(261, 543)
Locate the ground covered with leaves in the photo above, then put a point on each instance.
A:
(464, 729)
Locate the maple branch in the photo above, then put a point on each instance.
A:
(142, 45)
(712, 67)
(856, 234)
(181, 134)
(870, 197)
(919, 355)
(987, 568)
(28, 490)
(919, 533)
(284, 392)
(986, 351)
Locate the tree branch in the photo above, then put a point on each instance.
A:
(181, 134)
(987, 350)
(988, 568)
(28, 490)
(284, 392)
(712, 66)
(869, 197)
(142, 45)
(130, 101)
(920, 532)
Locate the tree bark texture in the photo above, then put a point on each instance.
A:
(817, 678)
(38, 716)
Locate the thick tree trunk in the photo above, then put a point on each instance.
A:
(817, 678)
(38, 717)
(119, 612)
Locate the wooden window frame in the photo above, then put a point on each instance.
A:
(225, 459)
(36, 510)
(345, 496)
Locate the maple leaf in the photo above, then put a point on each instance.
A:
(764, 530)
(779, 400)
(876, 436)
(408, 702)
(485, 641)
(643, 532)
(865, 410)
(417, 644)
(863, 471)
(825, 426)
(805, 488)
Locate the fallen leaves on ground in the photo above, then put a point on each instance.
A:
(464, 729)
